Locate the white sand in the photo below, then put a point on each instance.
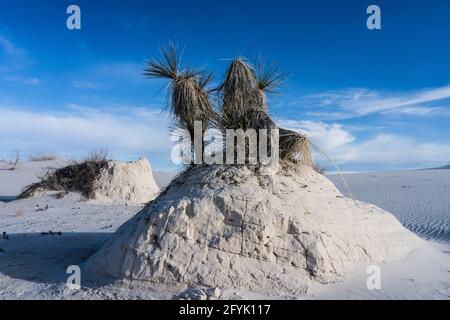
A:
(129, 183)
(420, 199)
(33, 265)
(12, 182)
(424, 274)
(163, 178)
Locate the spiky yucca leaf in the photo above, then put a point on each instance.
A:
(190, 103)
(239, 87)
(245, 118)
(294, 147)
(188, 98)
(269, 80)
(270, 77)
(205, 79)
(241, 106)
(167, 66)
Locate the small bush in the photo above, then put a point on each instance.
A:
(100, 155)
(77, 176)
(15, 162)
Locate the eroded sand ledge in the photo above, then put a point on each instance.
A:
(130, 183)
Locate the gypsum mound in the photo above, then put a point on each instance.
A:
(228, 227)
(102, 180)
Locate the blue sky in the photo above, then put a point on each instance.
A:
(374, 99)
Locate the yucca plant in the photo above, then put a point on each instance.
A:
(241, 106)
(188, 95)
(241, 103)
(239, 87)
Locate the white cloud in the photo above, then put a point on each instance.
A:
(393, 150)
(382, 151)
(80, 84)
(327, 136)
(129, 132)
(360, 102)
(421, 111)
(135, 131)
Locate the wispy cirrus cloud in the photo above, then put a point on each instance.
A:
(14, 57)
(9, 48)
(33, 81)
(81, 84)
(14, 61)
(351, 103)
(124, 71)
(421, 111)
(108, 75)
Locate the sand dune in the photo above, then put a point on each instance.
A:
(33, 260)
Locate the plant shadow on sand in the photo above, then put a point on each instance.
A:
(44, 257)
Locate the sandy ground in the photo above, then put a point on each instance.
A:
(419, 199)
(46, 235)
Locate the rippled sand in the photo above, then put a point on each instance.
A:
(420, 199)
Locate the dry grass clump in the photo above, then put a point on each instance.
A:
(42, 157)
(241, 101)
(294, 147)
(13, 163)
(77, 176)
